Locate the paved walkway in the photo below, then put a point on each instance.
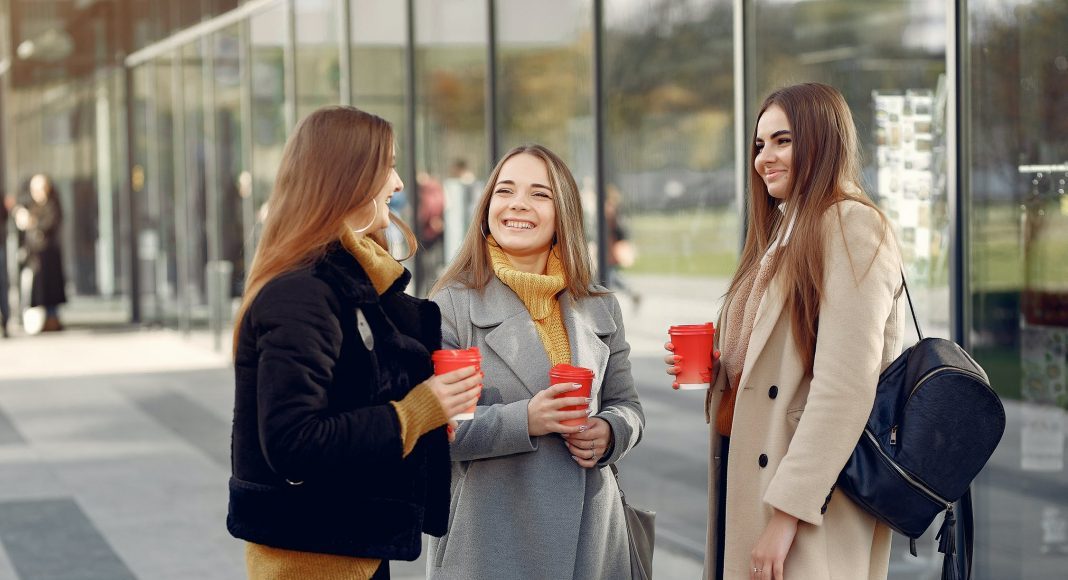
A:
(114, 455)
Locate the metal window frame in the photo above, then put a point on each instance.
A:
(599, 154)
(344, 60)
(243, 12)
(493, 146)
(410, 149)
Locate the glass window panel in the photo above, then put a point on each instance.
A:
(1017, 79)
(889, 60)
(545, 85)
(268, 46)
(379, 83)
(145, 222)
(450, 124)
(234, 181)
(79, 188)
(673, 224)
(318, 53)
(196, 195)
(161, 182)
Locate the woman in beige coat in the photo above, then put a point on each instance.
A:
(809, 321)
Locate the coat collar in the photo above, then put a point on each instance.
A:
(515, 339)
(343, 272)
(771, 305)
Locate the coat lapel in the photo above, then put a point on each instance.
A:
(771, 305)
(513, 336)
(586, 322)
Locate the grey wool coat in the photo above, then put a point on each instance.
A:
(521, 507)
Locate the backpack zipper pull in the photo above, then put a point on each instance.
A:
(893, 435)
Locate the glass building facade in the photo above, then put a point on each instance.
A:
(162, 124)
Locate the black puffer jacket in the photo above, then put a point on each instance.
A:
(317, 451)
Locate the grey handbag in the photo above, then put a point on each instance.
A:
(641, 533)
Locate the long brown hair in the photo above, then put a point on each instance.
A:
(472, 266)
(334, 164)
(826, 170)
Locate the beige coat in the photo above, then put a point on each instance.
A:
(803, 428)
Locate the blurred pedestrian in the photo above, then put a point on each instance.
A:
(431, 220)
(622, 252)
(788, 404)
(532, 497)
(461, 193)
(340, 436)
(41, 220)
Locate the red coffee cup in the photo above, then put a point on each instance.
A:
(693, 343)
(446, 361)
(564, 373)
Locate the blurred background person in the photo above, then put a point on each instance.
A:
(461, 192)
(41, 219)
(431, 218)
(621, 251)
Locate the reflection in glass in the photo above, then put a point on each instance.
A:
(379, 84)
(269, 129)
(318, 47)
(451, 120)
(147, 235)
(229, 162)
(673, 224)
(194, 205)
(161, 172)
(545, 85)
(1018, 216)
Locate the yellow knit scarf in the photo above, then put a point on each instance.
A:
(538, 292)
(382, 268)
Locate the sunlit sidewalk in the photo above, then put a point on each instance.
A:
(114, 456)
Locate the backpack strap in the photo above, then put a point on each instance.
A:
(912, 309)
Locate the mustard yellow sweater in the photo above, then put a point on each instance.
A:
(419, 413)
(539, 292)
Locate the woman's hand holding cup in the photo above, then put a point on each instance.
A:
(672, 361)
(544, 412)
(588, 447)
(456, 390)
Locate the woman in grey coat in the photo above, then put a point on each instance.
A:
(533, 498)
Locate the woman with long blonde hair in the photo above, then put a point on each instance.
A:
(808, 323)
(532, 495)
(340, 447)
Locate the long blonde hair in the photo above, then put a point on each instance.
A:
(826, 170)
(472, 266)
(334, 164)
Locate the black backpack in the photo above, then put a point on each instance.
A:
(935, 423)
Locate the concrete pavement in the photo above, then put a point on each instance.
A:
(114, 455)
(114, 452)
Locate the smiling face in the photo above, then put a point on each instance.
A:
(774, 151)
(522, 213)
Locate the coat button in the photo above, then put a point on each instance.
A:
(763, 460)
(773, 391)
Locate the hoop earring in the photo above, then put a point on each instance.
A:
(371, 223)
(482, 230)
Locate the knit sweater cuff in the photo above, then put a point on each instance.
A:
(419, 413)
